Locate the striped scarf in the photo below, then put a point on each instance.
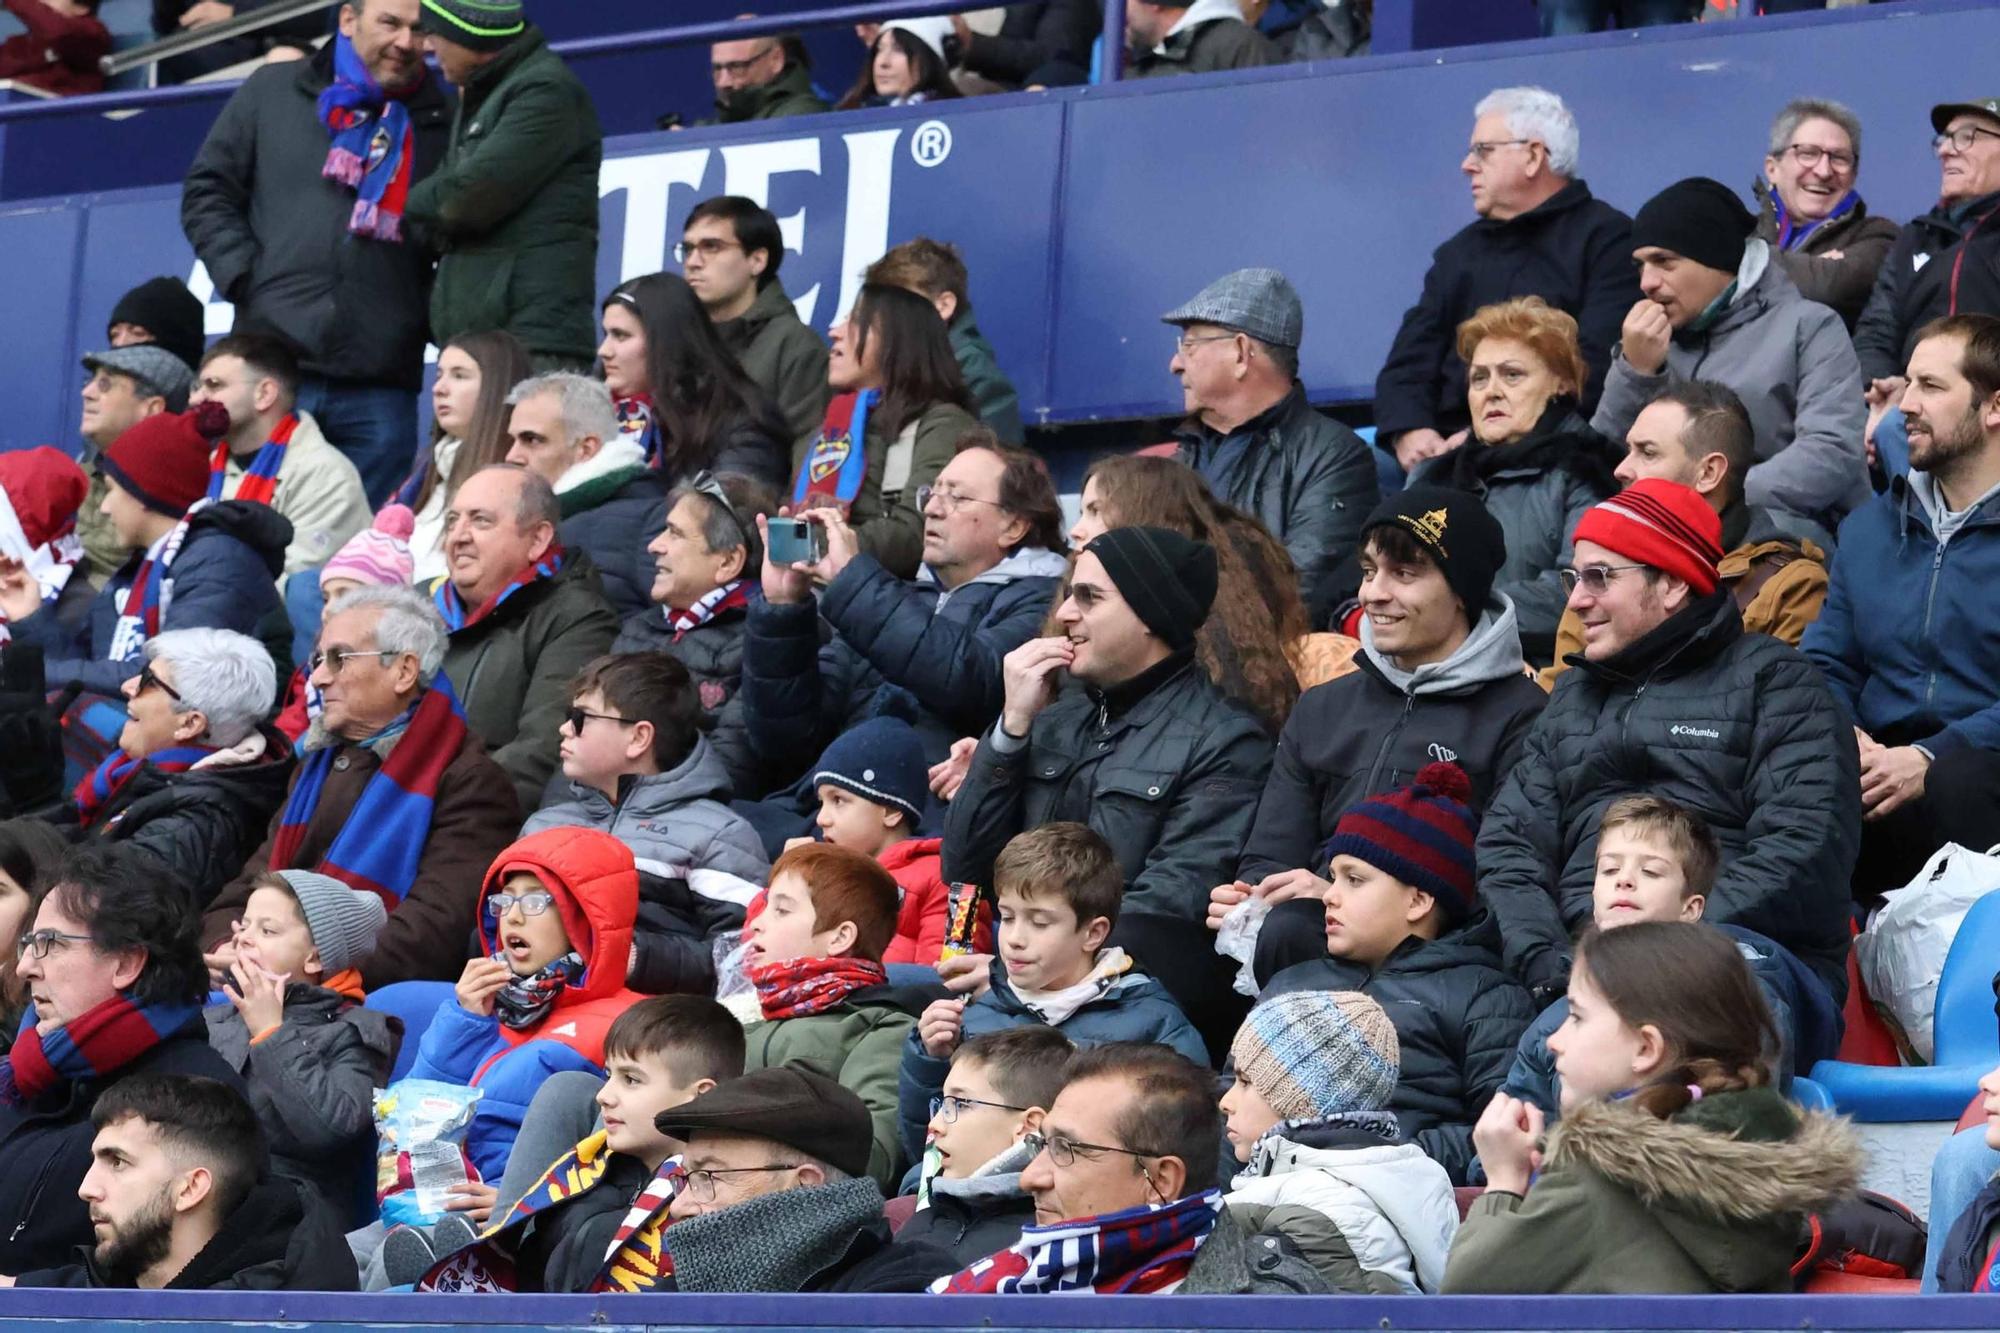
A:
(838, 461)
(1138, 1251)
(728, 597)
(803, 987)
(152, 591)
(452, 607)
(96, 1042)
(260, 479)
(374, 143)
(381, 842)
(637, 1260)
(119, 768)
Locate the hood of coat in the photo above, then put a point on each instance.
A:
(898, 855)
(1027, 562)
(275, 1240)
(997, 1180)
(261, 528)
(1492, 652)
(596, 887)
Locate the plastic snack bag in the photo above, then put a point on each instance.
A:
(420, 1129)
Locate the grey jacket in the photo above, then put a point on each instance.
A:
(713, 655)
(1235, 1262)
(1794, 366)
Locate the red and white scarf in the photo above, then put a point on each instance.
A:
(1138, 1251)
(803, 987)
(728, 597)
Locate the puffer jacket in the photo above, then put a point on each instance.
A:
(1737, 727)
(1711, 1200)
(1946, 262)
(1303, 475)
(1370, 731)
(318, 491)
(977, 1215)
(1458, 1020)
(785, 358)
(611, 516)
(1162, 767)
(886, 520)
(923, 922)
(596, 890)
(992, 392)
(713, 655)
(1842, 283)
(1791, 362)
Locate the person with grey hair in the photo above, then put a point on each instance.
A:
(1813, 217)
(394, 792)
(196, 776)
(1563, 18)
(1540, 232)
(565, 430)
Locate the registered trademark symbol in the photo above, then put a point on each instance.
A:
(931, 144)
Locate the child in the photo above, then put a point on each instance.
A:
(1967, 1258)
(1677, 1168)
(815, 958)
(1324, 1164)
(294, 1027)
(1405, 927)
(640, 769)
(1058, 888)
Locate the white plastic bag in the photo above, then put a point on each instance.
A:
(1901, 953)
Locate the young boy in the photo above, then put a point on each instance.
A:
(640, 769)
(311, 1056)
(1058, 888)
(1404, 926)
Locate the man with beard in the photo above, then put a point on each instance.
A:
(1909, 639)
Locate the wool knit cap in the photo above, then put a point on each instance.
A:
(1421, 834)
(932, 32)
(378, 554)
(1460, 535)
(1316, 1053)
(1662, 524)
(881, 760)
(1258, 301)
(476, 25)
(793, 1105)
(165, 308)
(343, 921)
(1698, 219)
(162, 462)
(1167, 580)
(155, 369)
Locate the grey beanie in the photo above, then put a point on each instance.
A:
(344, 921)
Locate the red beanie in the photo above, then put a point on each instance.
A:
(163, 461)
(1663, 524)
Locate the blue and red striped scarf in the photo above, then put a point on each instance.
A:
(260, 479)
(145, 604)
(452, 607)
(382, 841)
(118, 769)
(731, 596)
(97, 1042)
(639, 422)
(1145, 1249)
(838, 461)
(374, 144)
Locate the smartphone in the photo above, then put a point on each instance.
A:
(795, 541)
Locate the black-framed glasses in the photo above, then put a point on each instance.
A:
(1064, 1150)
(1810, 155)
(1961, 139)
(950, 501)
(700, 1185)
(709, 486)
(1483, 149)
(37, 943)
(947, 1108)
(334, 659)
(576, 717)
(1596, 579)
(532, 903)
(150, 680)
(708, 247)
(736, 69)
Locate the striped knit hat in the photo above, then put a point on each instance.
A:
(1421, 834)
(1316, 1053)
(476, 25)
(1663, 524)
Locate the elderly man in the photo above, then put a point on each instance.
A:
(762, 78)
(1199, 37)
(127, 384)
(1540, 232)
(525, 614)
(1813, 216)
(394, 792)
(1672, 698)
(565, 430)
(1252, 435)
(1717, 305)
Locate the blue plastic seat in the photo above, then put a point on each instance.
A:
(416, 1003)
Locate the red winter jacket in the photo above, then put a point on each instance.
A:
(921, 926)
(58, 54)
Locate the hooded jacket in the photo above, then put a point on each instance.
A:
(976, 1215)
(613, 506)
(993, 394)
(923, 923)
(1711, 1200)
(1792, 363)
(1946, 262)
(713, 655)
(1843, 282)
(1209, 36)
(318, 491)
(596, 890)
(785, 358)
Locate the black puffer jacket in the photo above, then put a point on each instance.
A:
(1946, 262)
(713, 655)
(1458, 1021)
(612, 520)
(1737, 727)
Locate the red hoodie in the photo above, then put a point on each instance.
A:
(923, 921)
(57, 54)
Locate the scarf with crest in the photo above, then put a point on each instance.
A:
(803, 987)
(104, 782)
(640, 423)
(730, 596)
(834, 467)
(97, 1042)
(374, 143)
(260, 479)
(152, 591)
(1140, 1250)
(452, 607)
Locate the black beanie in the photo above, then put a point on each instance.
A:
(1698, 219)
(1168, 581)
(165, 308)
(1465, 541)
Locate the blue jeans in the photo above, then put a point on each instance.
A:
(1959, 1171)
(375, 425)
(1563, 18)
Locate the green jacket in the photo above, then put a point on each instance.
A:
(790, 94)
(992, 392)
(784, 357)
(513, 209)
(885, 514)
(1204, 48)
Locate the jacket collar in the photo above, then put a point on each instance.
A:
(496, 71)
(1491, 653)
(1116, 701)
(1691, 636)
(1571, 196)
(1193, 430)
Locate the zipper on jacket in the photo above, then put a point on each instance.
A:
(1382, 750)
(1924, 634)
(34, 1199)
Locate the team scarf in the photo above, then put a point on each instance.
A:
(803, 987)
(452, 607)
(1792, 235)
(729, 597)
(639, 422)
(382, 841)
(637, 1260)
(119, 768)
(51, 563)
(96, 1042)
(1140, 1250)
(834, 467)
(374, 143)
(526, 1001)
(152, 591)
(260, 479)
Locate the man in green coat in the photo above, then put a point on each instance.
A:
(513, 209)
(762, 78)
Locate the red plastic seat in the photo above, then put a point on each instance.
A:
(1854, 1284)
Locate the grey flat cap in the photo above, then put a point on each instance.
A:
(156, 369)
(1258, 301)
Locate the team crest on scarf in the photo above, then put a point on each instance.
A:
(828, 456)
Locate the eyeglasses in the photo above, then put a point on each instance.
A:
(532, 903)
(736, 69)
(949, 501)
(709, 246)
(1064, 1150)
(1809, 155)
(1596, 579)
(336, 658)
(1188, 344)
(1484, 149)
(576, 717)
(1960, 139)
(947, 1108)
(700, 1185)
(148, 680)
(707, 485)
(37, 943)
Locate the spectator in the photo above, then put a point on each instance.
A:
(706, 560)
(524, 615)
(936, 271)
(1173, 37)
(376, 557)
(195, 779)
(287, 185)
(1147, 752)
(1044, 44)
(30, 852)
(160, 311)
(762, 78)
(1540, 232)
(1762, 750)
(1811, 213)
(393, 790)
(731, 250)
(1405, 926)
(907, 64)
(291, 1022)
(514, 213)
(1960, 1259)
(175, 17)
(1692, 1183)
(640, 770)
(565, 431)
(1562, 18)
(1322, 1163)
(41, 490)
(1717, 307)
(470, 415)
(1251, 434)
(275, 454)
(1124, 1180)
(116, 986)
(60, 50)
(1905, 640)
(1533, 460)
(126, 385)
(1333, 30)
(1058, 887)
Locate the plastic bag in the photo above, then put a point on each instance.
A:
(420, 1129)
(1237, 938)
(1901, 954)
